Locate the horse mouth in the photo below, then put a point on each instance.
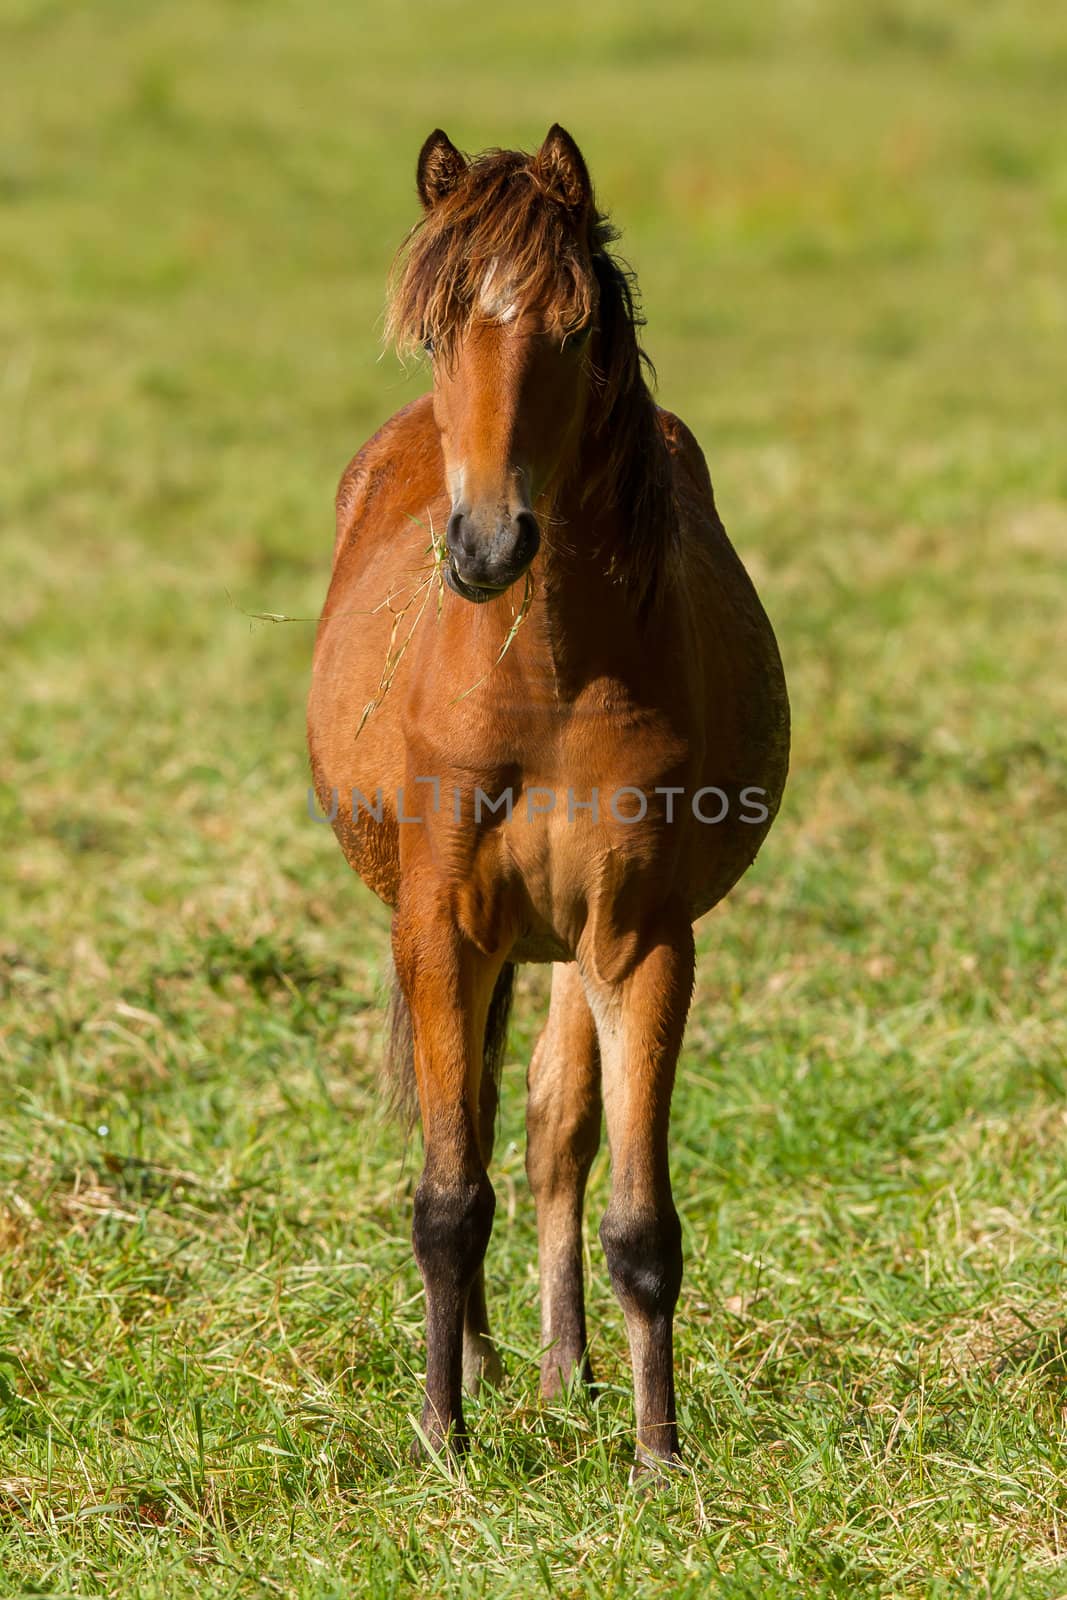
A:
(477, 594)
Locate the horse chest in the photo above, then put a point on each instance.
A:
(555, 845)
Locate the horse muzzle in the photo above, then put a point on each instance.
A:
(484, 560)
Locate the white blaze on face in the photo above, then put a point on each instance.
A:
(496, 302)
(455, 485)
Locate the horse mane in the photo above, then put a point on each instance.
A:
(500, 222)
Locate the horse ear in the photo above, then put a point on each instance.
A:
(562, 169)
(440, 168)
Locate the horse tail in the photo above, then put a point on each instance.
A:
(496, 1022)
(398, 1055)
(399, 1051)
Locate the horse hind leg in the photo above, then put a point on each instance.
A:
(563, 1133)
(481, 1362)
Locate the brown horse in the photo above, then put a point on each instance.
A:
(549, 723)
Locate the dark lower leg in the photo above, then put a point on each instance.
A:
(451, 1230)
(447, 985)
(641, 1024)
(644, 1254)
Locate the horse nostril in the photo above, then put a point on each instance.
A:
(454, 540)
(529, 536)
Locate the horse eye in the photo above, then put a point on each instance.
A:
(427, 345)
(580, 336)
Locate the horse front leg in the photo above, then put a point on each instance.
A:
(640, 1022)
(447, 984)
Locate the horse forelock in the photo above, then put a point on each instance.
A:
(499, 230)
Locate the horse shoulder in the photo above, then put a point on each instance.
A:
(402, 460)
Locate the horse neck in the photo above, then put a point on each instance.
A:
(611, 524)
(597, 617)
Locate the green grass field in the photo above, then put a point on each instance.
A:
(850, 226)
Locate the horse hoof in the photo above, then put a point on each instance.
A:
(649, 1474)
(558, 1379)
(431, 1445)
